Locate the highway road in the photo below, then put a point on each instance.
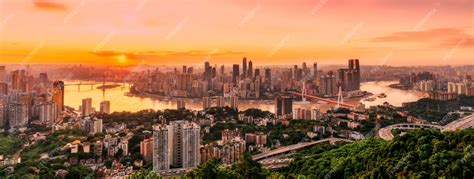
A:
(460, 124)
(295, 147)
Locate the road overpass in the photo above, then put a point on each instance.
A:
(296, 147)
(386, 132)
(460, 124)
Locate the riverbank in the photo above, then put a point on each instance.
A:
(121, 100)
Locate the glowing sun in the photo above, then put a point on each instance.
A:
(121, 58)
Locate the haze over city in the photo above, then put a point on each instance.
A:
(388, 32)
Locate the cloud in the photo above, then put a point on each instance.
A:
(441, 37)
(464, 42)
(49, 5)
(151, 55)
(418, 36)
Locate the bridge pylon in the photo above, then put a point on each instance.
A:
(340, 100)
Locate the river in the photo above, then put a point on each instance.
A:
(121, 102)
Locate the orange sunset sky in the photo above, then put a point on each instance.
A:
(175, 32)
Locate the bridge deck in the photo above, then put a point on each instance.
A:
(323, 99)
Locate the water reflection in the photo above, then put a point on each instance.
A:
(121, 102)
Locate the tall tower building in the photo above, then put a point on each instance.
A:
(105, 107)
(86, 107)
(207, 73)
(183, 146)
(15, 75)
(250, 70)
(191, 144)
(96, 126)
(268, 76)
(328, 84)
(43, 78)
(222, 71)
(283, 105)
(3, 88)
(58, 95)
(184, 69)
(17, 114)
(175, 146)
(244, 67)
(3, 73)
(161, 148)
(295, 72)
(304, 68)
(257, 72)
(47, 113)
(349, 79)
(147, 150)
(315, 70)
(235, 73)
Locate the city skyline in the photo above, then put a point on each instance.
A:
(236, 89)
(397, 33)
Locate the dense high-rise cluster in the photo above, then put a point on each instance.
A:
(24, 97)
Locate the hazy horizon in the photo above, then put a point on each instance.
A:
(391, 32)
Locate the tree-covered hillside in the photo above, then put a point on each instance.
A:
(419, 154)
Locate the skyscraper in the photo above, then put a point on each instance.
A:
(349, 79)
(43, 78)
(315, 70)
(15, 75)
(190, 70)
(58, 95)
(2, 73)
(207, 73)
(304, 68)
(295, 72)
(250, 70)
(3, 88)
(161, 148)
(47, 113)
(105, 107)
(191, 143)
(257, 72)
(283, 105)
(244, 67)
(183, 144)
(86, 107)
(146, 149)
(222, 71)
(328, 84)
(235, 73)
(17, 114)
(268, 76)
(96, 127)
